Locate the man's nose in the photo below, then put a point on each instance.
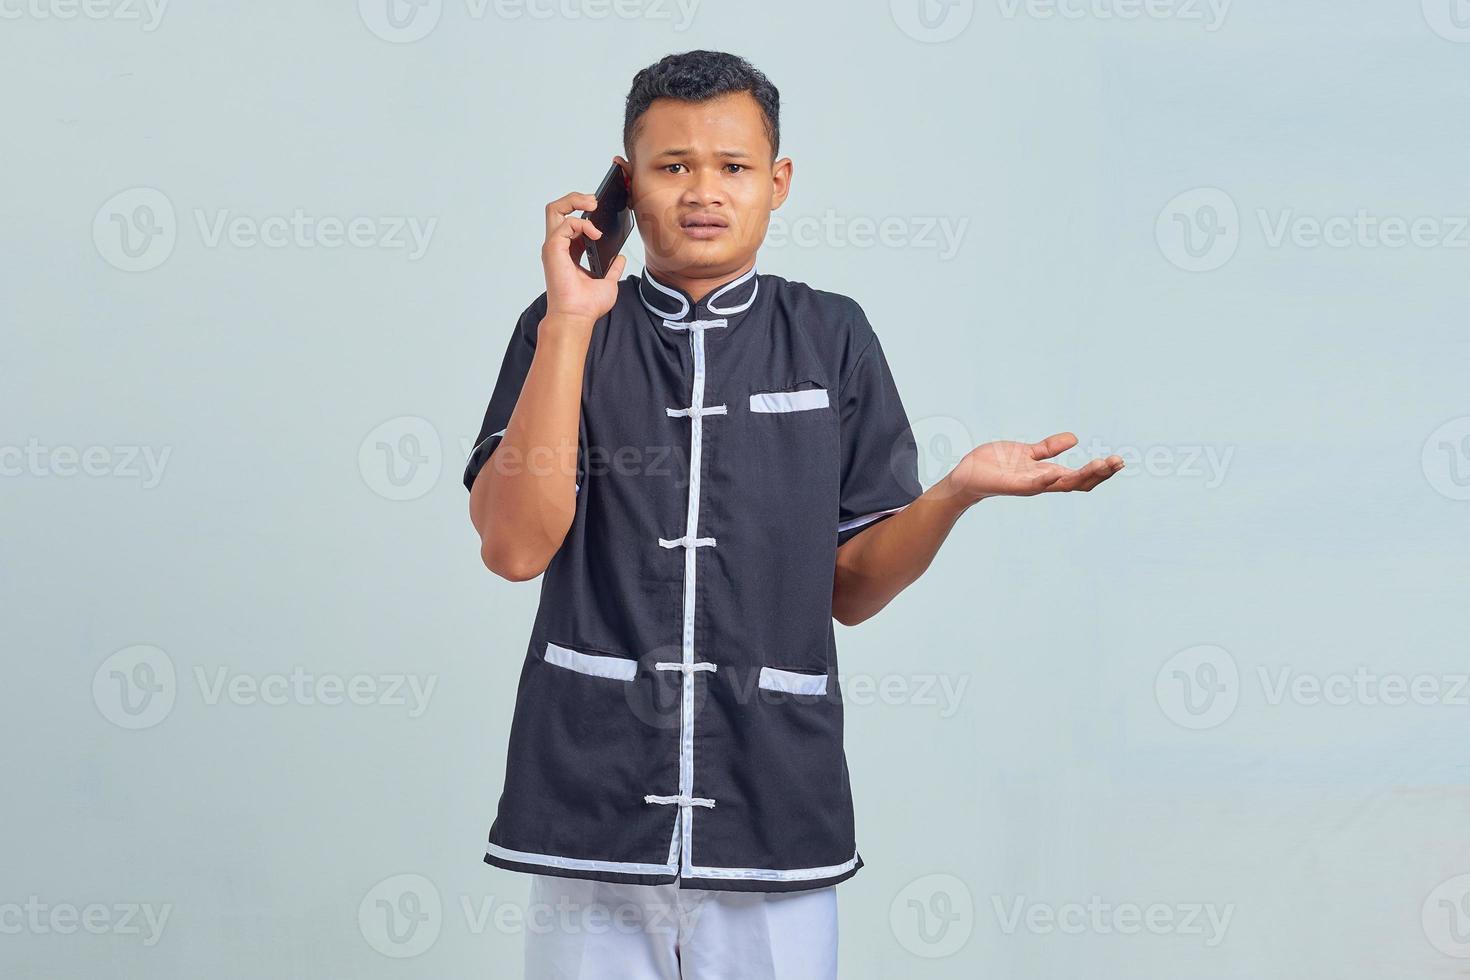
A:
(704, 190)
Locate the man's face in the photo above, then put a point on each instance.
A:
(704, 184)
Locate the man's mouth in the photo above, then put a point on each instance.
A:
(703, 225)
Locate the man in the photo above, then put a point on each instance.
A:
(709, 465)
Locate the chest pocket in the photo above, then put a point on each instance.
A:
(805, 396)
(793, 449)
(791, 400)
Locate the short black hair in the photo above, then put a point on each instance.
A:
(698, 76)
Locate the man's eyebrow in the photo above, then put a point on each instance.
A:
(684, 151)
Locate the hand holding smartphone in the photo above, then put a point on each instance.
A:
(613, 218)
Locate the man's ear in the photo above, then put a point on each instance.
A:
(781, 182)
(627, 169)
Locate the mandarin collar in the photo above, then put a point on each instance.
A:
(669, 302)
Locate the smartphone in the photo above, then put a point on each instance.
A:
(613, 218)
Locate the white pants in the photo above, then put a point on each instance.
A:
(578, 929)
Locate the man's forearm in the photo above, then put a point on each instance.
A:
(523, 500)
(882, 561)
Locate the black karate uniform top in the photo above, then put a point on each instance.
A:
(678, 714)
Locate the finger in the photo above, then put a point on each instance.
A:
(615, 271)
(1046, 477)
(565, 205)
(1094, 471)
(1053, 445)
(1106, 468)
(571, 228)
(1111, 466)
(1079, 478)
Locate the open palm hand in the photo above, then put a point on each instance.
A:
(1020, 469)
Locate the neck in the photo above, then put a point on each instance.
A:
(698, 287)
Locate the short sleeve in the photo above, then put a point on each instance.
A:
(880, 459)
(514, 367)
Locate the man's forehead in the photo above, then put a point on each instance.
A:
(728, 125)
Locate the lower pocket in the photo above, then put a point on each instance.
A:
(598, 665)
(792, 681)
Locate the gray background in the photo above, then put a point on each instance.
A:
(1101, 700)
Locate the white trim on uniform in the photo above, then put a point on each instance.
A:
(685, 800)
(742, 307)
(616, 668)
(576, 487)
(634, 868)
(867, 518)
(580, 864)
(792, 682)
(802, 400)
(481, 443)
(774, 874)
(683, 303)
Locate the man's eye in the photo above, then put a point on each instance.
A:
(670, 166)
(738, 167)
